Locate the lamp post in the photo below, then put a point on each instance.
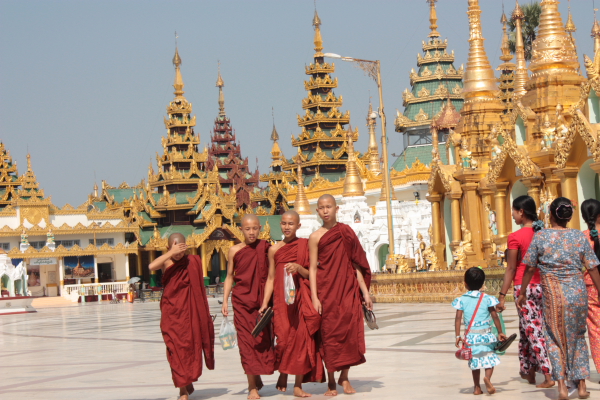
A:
(373, 70)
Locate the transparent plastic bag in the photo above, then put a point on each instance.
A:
(290, 288)
(228, 335)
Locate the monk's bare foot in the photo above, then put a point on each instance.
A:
(331, 392)
(282, 383)
(259, 383)
(477, 390)
(253, 394)
(183, 394)
(345, 383)
(190, 388)
(488, 385)
(298, 392)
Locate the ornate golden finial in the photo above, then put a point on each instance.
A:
(506, 54)
(433, 19)
(480, 80)
(220, 84)
(318, 40)
(353, 185)
(95, 190)
(570, 26)
(29, 162)
(374, 164)
(178, 85)
(552, 49)
(521, 75)
(596, 32)
(301, 205)
(274, 134)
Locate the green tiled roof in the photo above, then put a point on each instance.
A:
(121, 194)
(410, 154)
(100, 205)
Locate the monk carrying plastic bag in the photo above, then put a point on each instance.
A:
(290, 288)
(228, 335)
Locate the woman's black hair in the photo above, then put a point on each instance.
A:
(527, 204)
(474, 278)
(590, 209)
(562, 210)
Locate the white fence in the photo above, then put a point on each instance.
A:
(94, 289)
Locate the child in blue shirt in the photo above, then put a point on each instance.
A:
(480, 339)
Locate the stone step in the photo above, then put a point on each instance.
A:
(51, 302)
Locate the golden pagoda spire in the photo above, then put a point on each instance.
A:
(95, 189)
(318, 40)
(352, 183)
(301, 205)
(374, 163)
(570, 26)
(596, 33)
(178, 85)
(433, 19)
(506, 54)
(220, 84)
(521, 76)
(480, 80)
(552, 50)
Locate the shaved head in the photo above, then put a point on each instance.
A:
(175, 238)
(250, 218)
(327, 197)
(293, 214)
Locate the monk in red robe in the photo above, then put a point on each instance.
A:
(339, 281)
(186, 324)
(295, 325)
(248, 268)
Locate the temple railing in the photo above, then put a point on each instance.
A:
(95, 289)
(430, 287)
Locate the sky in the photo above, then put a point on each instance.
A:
(84, 85)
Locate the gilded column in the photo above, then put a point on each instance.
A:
(500, 200)
(139, 266)
(456, 218)
(153, 278)
(437, 225)
(194, 250)
(533, 188)
(486, 198)
(203, 256)
(61, 275)
(568, 185)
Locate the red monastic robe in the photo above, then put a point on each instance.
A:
(185, 322)
(251, 269)
(342, 326)
(296, 325)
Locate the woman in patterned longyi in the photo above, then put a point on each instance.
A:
(590, 211)
(533, 356)
(561, 253)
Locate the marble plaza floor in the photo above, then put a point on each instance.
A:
(115, 351)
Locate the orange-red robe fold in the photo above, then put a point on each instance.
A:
(342, 326)
(186, 325)
(251, 269)
(296, 325)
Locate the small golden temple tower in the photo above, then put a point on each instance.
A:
(9, 178)
(507, 70)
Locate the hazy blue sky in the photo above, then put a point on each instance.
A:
(84, 84)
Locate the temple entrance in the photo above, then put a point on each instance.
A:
(19, 287)
(4, 285)
(448, 232)
(518, 189)
(105, 272)
(382, 254)
(215, 268)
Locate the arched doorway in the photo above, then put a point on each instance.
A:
(448, 230)
(215, 267)
(382, 254)
(518, 189)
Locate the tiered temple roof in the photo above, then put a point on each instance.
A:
(30, 188)
(9, 177)
(436, 83)
(225, 153)
(322, 149)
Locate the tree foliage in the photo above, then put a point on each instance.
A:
(529, 27)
